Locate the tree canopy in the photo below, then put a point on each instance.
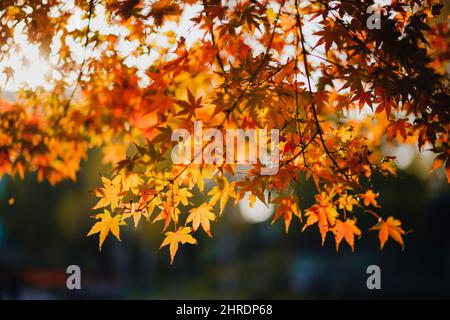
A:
(338, 79)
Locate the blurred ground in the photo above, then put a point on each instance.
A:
(45, 231)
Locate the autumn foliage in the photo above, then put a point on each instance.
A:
(336, 90)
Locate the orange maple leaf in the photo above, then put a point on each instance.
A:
(287, 207)
(389, 228)
(369, 198)
(346, 230)
(323, 213)
(441, 160)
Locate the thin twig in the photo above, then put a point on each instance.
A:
(313, 104)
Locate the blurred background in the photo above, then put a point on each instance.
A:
(44, 231)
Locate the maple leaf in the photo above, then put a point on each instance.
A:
(398, 127)
(9, 72)
(384, 103)
(221, 192)
(125, 8)
(182, 235)
(164, 10)
(169, 213)
(323, 213)
(180, 195)
(364, 98)
(131, 182)
(289, 147)
(201, 216)
(330, 34)
(346, 230)
(441, 160)
(196, 177)
(189, 106)
(111, 194)
(387, 166)
(135, 210)
(106, 225)
(369, 198)
(347, 202)
(389, 228)
(287, 207)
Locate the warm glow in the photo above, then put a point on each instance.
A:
(35, 72)
(29, 68)
(260, 212)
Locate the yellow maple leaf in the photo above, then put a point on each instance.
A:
(135, 210)
(111, 194)
(387, 167)
(201, 216)
(131, 182)
(168, 213)
(106, 225)
(221, 192)
(182, 235)
(113, 153)
(180, 195)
